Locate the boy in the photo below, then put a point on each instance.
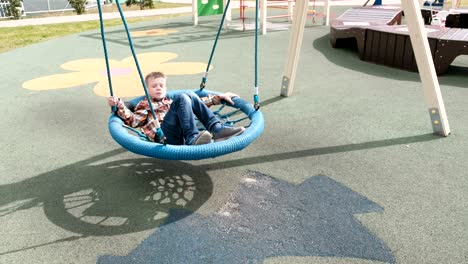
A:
(176, 117)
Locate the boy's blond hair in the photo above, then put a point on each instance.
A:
(154, 75)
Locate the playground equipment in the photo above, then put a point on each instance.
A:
(435, 3)
(279, 4)
(420, 44)
(209, 8)
(140, 145)
(263, 7)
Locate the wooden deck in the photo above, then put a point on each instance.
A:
(354, 22)
(450, 45)
(457, 19)
(382, 42)
(391, 46)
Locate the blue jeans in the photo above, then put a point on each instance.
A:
(179, 125)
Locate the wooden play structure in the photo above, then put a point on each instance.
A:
(422, 55)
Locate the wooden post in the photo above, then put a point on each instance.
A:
(426, 67)
(195, 12)
(294, 50)
(326, 10)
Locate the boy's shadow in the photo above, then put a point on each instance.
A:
(111, 198)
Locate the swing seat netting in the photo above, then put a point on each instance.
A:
(183, 152)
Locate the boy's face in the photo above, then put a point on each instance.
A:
(157, 88)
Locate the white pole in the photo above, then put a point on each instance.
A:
(290, 10)
(295, 43)
(263, 16)
(228, 17)
(426, 67)
(195, 12)
(326, 9)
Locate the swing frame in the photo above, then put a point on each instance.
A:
(420, 43)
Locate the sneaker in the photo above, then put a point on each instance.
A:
(203, 137)
(228, 133)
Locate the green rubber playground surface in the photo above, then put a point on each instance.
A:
(347, 169)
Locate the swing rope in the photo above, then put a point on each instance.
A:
(255, 97)
(109, 79)
(205, 77)
(203, 82)
(159, 132)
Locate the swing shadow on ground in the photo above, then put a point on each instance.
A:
(127, 196)
(348, 57)
(185, 33)
(111, 198)
(92, 198)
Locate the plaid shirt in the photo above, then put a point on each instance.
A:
(142, 117)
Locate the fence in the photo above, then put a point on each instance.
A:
(4, 4)
(43, 6)
(46, 6)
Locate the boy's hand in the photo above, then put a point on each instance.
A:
(158, 134)
(228, 97)
(113, 101)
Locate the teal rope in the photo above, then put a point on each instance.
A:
(159, 132)
(255, 97)
(203, 82)
(135, 57)
(101, 24)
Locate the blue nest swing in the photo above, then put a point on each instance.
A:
(140, 145)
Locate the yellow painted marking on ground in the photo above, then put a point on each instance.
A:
(125, 79)
(153, 33)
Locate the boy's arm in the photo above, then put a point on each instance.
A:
(139, 117)
(150, 130)
(215, 99)
(211, 99)
(133, 119)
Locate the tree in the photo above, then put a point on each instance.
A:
(14, 9)
(79, 5)
(143, 3)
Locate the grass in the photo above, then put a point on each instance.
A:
(16, 37)
(105, 9)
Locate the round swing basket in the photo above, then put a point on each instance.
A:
(184, 152)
